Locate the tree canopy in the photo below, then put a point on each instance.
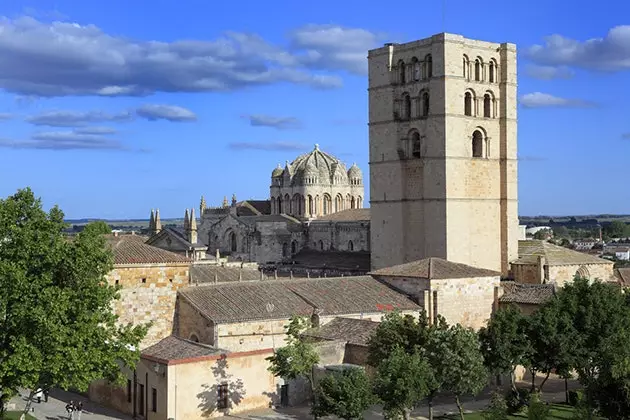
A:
(345, 394)
(57, 328)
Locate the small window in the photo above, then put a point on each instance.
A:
(222, 396)
(477, 70)
(193, 337)
(170, 280)
(415, 146)
(491, 72)
(468, 104)
(144, 280)
(129, 390)
(425, 104)
(401, 70)
(350, 246)
(487, 106)
(117, 282)
(154, 400)
(477, 144)
(321, 245)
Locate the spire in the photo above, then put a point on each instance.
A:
(192, 227)
(152, 222)
(225, 202)
(233, 200)
(316, 146)
(202, 206)
(186, 221)
(157, 223)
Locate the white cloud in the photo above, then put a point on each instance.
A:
(153, 112)
(610, 53)
(62, 58)
(280, 123)
(76, 118)
(545, 100)
(64, 140)
(95, 130)
(549, 72)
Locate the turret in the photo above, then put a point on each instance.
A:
(186, 221)
(202, 206)
(157, 223)
(225, 202)
(192, 228)
(152, 222)
(233, 200)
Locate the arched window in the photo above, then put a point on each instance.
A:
(477, 144)
(338, 203)
(487, 106)
(287, 204)
(350, 246)
(468, 101)
(327, 204)
(321, 245)
(233, 244)
(285, 250)
(359, 202)
(491, 69)
(415, 145)
(425, 104)
(280, 209)
(428, 65)
(407, 107)
(353, 203)
(582, 272)
(465, 67)
(293, 248)
(193, 337)
(401, 72)
(310, 205)
(477, 70)
(417, 70)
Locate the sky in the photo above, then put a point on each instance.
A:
(109, 108)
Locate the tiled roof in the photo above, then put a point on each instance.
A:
(350, 215)
(175, 348)
(530, 250)
(262, 206)
(292, 224)
(176, 233)
(341, 260)
(205, 273)
(350, 295)
(533, 294)
(131, 249)
(434, 268)
(353, 331)
(624, 275)
(247, 301)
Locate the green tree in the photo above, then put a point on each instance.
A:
(397, 330)
(497, 409)
(551, 340)
(462, 364)
(617, 229)
(542, 234)
(345, 394)
(401, 382)
(432, 350)
(504, 343)
(297, 358)
(101, 227)
(537, 410)
(57, 328)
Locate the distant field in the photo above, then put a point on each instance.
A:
(600, 218)
(131, 223)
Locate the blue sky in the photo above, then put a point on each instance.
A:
(109, 108)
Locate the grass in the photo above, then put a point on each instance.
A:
(15, 415)
(558, 411)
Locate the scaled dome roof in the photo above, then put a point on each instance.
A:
(316, 161)
(355, 172)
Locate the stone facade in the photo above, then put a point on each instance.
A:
(315, 184)
(442, 115)
(148, 294)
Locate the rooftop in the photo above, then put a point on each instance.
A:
(341, 260)
(174, 348)
(131, 249)
(533, 294)
(248, 301)
(434, 269)
(624, 275)
(352, 331)
(210, 273)
(530, 250)
(349, 215)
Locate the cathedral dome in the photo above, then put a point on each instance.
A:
(354, 172)
(316, 163)
(277, 172)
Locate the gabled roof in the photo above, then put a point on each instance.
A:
(342, 260)
(624, 275)
(175, 348)
(353, 331)
(248, 301)
(131, 249)
(177, 234)
(349, 215)
(434, 269)
(529, 251)
(256, 207)
(533, 294)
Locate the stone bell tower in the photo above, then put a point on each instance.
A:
(443, 168)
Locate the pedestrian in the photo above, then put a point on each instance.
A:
(70, 407)
(46, 395)
(79, 409)
(39, 394)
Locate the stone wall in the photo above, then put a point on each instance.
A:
(190, 324)
(526, 273)
(561, 274)
(148, 294)
(332, 235)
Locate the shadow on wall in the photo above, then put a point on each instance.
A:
(225, 394)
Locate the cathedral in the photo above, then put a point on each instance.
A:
(314, 215)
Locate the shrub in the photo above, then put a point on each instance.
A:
(497, 410)
(516, 401)
(538, 410)
(576, 397)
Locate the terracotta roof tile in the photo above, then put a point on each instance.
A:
(342, 260)
(624, 275)
(529, 251)
(533, 294)
(434, 268)
(175, 348)
(353, 331)
(350, 215)
(247, 301)
(131, 249)
(205, 273)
